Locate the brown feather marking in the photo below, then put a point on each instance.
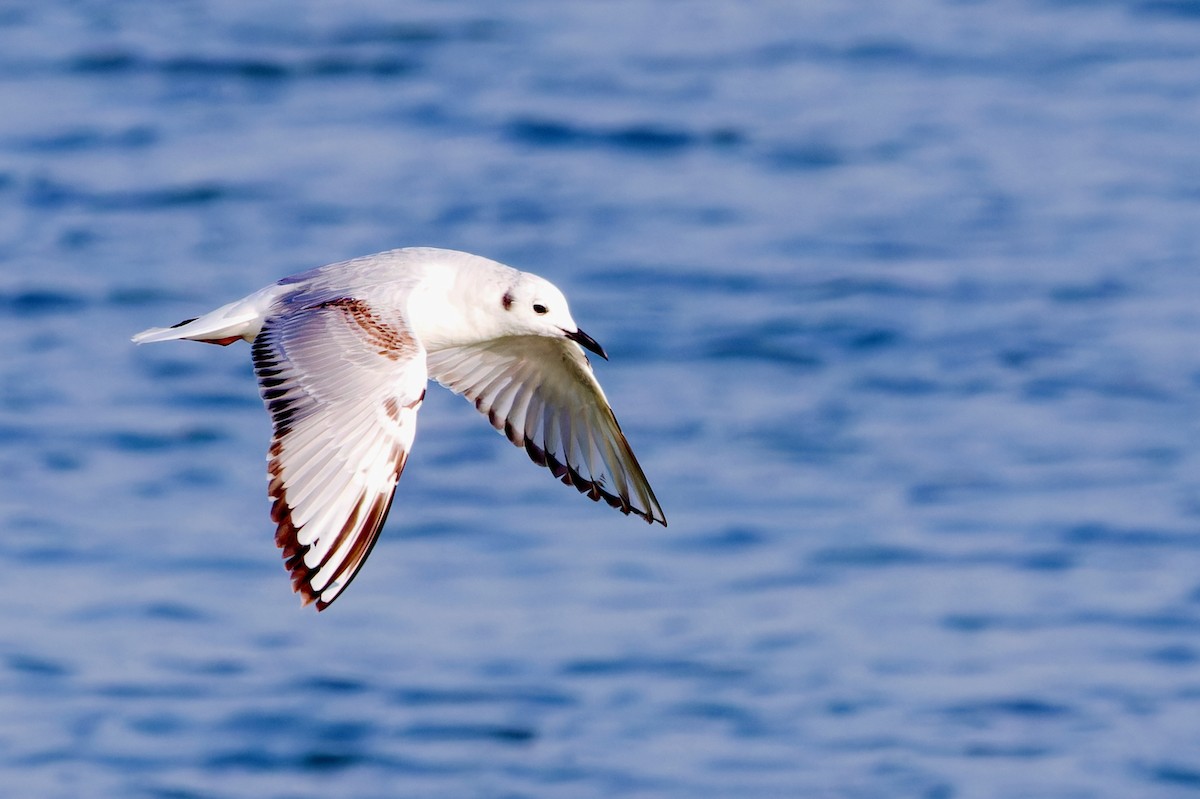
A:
(364, 524)
(392, 407)
(391, 341)
(369, 528)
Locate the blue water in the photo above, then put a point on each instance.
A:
(902, 303)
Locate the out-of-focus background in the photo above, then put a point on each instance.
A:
(902, 303)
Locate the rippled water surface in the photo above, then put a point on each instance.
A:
(902, 303)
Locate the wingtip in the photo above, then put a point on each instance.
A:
(308, 596)
(303, 587)
(654, 515)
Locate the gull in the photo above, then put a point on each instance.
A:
(343, 354)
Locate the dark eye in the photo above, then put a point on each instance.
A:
(540, 309)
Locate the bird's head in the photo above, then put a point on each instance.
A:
(534, 306)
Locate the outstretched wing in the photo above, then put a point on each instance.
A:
(541, 394)
(343, 387)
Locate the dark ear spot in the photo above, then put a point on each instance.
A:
(507, 300)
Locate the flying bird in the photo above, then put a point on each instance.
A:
(343, 354)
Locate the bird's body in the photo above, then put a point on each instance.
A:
(343, 354)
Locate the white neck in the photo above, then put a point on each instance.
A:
(450, 306)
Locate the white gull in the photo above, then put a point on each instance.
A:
(343, 354)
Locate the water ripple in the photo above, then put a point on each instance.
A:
(257, 69)
(650, 138)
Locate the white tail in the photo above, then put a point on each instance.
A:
(239, 319)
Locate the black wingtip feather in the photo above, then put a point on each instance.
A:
(590, 488)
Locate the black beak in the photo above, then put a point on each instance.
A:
(587, 342)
